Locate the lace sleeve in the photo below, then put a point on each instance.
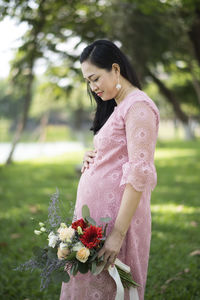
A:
(141, 123)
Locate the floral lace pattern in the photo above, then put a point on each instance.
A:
(141, 134)
(125, 154)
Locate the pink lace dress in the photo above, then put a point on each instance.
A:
(125, 154)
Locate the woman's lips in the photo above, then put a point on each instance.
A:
(99, 94)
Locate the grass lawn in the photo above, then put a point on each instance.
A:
(25, 190)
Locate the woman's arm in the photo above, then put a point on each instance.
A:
(129, 204)
(114, 241)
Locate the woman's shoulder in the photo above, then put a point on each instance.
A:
(134, 97)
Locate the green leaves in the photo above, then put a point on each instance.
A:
(38, 251)
(40, 255)
(94, 267)
(85, 212)
(94, 257)
(86, 215)
(126, 278)
(71, 256)
(52, 253)
(106, 220)
(82, 267)
(59, 276)
(74, 269)
(91, 221)
(98, 269)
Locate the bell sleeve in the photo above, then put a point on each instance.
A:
(141, 126)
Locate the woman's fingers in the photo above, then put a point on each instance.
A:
(110, 261)
(88, 158)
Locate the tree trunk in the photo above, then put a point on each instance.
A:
(195, 83)
(43, 126)
(28, 93)
(22, 122)
(171, 98)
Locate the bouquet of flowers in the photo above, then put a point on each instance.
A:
(71, 249)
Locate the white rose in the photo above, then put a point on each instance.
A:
(43, 229)
(63, 245)
(77, 246)
(41, 224)
(53, 238)
(62, 225)
(66, 234)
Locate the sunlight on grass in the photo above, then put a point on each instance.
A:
(169, 153)
(21, 211)
(72, 157)
(174, 209)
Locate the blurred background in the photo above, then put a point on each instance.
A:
(46, 115)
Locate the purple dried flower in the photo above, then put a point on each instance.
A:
(54, 217)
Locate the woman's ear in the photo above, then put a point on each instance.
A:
(116, 68)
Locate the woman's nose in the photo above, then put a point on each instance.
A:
(93, 87)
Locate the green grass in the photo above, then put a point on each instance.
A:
(173, 274)
(53, 133)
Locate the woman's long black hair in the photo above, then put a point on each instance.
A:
(103, 53)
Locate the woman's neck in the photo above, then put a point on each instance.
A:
(126, 88)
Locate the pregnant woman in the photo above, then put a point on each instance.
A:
(119, 174)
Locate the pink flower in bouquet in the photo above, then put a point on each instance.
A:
(91, 236)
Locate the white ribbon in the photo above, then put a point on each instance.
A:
(120, 289)
(133, 293)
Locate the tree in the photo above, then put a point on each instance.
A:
(149, 31)
(49, 24)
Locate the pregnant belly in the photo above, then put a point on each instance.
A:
(101, 193)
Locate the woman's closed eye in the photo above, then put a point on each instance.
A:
(95, 80)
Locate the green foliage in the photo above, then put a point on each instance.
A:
(105, 220)
(126, 278)
(85, 211)
(83, 267)
(71, 256)
(90, 220)
(94, 267)
(148, 31)
(74, 269)
(59, 276)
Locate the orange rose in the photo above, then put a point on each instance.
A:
(83, 254)
(62, 253)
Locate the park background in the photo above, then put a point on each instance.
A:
(46, 115)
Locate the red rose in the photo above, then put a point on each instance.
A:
(80, 223)
(91, 236)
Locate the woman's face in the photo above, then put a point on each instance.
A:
(102, 82)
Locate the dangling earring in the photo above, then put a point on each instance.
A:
(118, 86)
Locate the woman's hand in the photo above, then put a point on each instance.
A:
(88, 158)
(111, 247)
